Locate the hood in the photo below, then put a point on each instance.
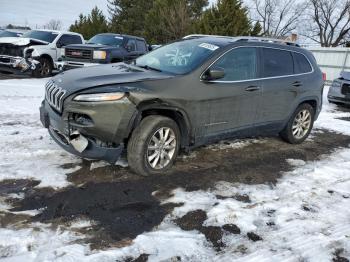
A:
(89, 46)
(345, 75)
(104, 75)
(21, 41)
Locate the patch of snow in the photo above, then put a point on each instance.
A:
(26, 149)
(296, 162)
(233, 144)
(328, 119)
(98, 164)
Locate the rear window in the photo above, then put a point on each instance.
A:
(302, 65)
(277, 62)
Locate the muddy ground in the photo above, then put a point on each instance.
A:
(124, 205)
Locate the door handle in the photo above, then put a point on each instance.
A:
(297, 83)
(252, 88)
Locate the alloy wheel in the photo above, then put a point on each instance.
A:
(161, 148)
(301, 124)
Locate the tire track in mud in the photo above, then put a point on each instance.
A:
(124, 205)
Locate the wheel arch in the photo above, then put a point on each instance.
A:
(47, 56)
(158, 108)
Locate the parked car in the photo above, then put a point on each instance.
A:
(11, 33)
(339, 92)
(35, 51)
(103, 49)
(180, 96)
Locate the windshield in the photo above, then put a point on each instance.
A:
(179, 57)
(41, 35)
(9, 34)
(113, 40)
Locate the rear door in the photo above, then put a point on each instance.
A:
(132, 52)
(141, 47)
(234, 99)
(279, 85)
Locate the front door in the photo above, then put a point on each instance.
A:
(234, 99)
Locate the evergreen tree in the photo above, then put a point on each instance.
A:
(168, 20)
(256, 30)
(128, 17)
(226, 17)
(90, 25)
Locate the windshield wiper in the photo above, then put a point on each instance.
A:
(147, 67)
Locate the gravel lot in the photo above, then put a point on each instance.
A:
(256, 199)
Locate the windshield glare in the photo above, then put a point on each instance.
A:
(41, 35)
(113, 40)
(179, 57)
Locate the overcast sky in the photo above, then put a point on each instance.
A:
(39, 12)
(36, 13)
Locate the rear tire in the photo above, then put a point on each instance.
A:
(44, 69)
(300, 125)
(153, 146)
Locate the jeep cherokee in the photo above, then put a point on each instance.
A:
(192, 92)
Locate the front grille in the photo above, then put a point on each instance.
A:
(11, 50)
(54, 95)
(78, 53)
(345, 89)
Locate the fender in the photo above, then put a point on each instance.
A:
(157, 105)
(302, 100)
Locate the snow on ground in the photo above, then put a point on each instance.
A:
(304, 217)
(26, 151)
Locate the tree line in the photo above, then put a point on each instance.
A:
(326, 22)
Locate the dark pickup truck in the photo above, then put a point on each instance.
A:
(102, 49)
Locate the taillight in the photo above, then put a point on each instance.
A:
(324, 76)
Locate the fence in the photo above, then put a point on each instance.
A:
(332, 60)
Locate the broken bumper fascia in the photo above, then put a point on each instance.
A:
(92, 150)
(17, 63)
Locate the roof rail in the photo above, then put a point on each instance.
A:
(247, 38)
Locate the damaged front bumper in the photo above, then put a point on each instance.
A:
(75, 142)
(16, 64)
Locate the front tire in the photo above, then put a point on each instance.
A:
(45, 68)
(153, 146)
(300, 125)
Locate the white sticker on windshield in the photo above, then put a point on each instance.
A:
(119, 37)
(209, 46)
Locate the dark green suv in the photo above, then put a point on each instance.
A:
(192, 92)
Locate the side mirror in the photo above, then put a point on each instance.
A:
(213, 73)
(59, 44)
(128, 48)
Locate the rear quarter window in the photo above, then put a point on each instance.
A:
(277, 62)
(302, 65)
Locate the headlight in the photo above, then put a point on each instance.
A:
(63, 52)
(99, 55)
(99, 97)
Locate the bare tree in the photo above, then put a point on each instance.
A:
(53, 24)
(330, 22)
(278, 18)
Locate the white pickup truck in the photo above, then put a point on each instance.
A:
(35, 52)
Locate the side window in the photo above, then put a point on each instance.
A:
(277, 62)
(141, 46)
(131, 45)
(69, 40)
(239, 64)
(302, 65)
